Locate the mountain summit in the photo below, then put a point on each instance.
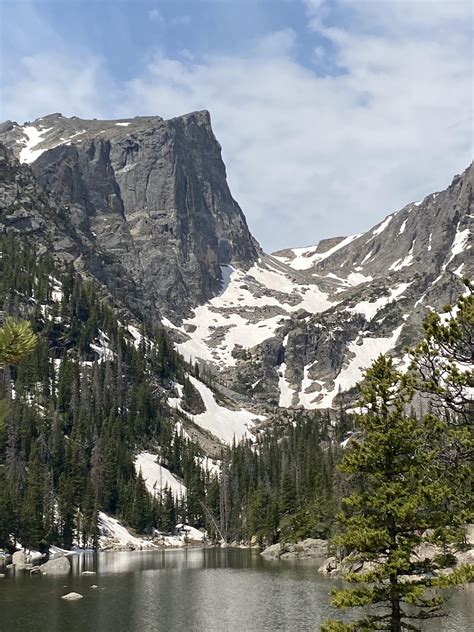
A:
(143, 206)
(150, 194)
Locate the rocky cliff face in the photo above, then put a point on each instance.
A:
(151, 193)
(27, 209)
(299, 327)
(143, 206)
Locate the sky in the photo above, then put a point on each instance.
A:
(331, 113)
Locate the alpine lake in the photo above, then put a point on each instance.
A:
(185, 590)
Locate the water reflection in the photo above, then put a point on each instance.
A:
(195, 590)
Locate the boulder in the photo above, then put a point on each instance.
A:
(272, 552)
(58, 566)
(309, 548)
(465, 557)
(36, 570)
(329, 566)
(88, 573)
(72, 596)
(20, 559)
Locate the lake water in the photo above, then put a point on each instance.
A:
(193, 590)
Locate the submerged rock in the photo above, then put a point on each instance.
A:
(72, 596)
(58, 566)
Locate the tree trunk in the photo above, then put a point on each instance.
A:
(396, 619)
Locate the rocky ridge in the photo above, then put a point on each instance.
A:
(142, 205)
(150, 194)
(300, 326)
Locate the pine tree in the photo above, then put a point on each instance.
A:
(17, 341)
(400, 501)
(442, 363)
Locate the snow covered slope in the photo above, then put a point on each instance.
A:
(156, 477)
(114, 535)
(301, 326)
(251, 307)
(224, 423)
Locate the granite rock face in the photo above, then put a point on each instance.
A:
(151, 194)
(142, 205)
(28, 209)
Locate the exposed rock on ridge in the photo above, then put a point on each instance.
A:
(151, 193)
(143, 206)
(301, 326)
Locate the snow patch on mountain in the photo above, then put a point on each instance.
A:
(286, 392)
(370, 308)
(459, 245)
(405, 262)
(251, 306)
(305, 258)
(307, 393)
(382, 226)
(32, 138)
(223, 423)
(156, 477)
(113, 533)
(362, 351)
(102, 348)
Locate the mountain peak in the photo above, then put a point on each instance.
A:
(151, 192)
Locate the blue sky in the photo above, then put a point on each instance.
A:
(331, 113)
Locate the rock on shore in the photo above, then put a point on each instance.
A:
(58, 566)
(309, 548)
(338, 567)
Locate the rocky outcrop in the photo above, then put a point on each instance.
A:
(340, 566)
(310, 548)
(151, 194)
(57, 566)
(142, 206)
(72, 596)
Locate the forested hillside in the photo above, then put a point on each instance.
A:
(94, 393)
(73, 412)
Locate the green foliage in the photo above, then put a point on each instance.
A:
(442, 363)
(17, 340)
(285, 487)
(411, 481)
(71, 421)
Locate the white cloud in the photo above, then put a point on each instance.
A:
(155, 15)
(46, 83)
(308, 156)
